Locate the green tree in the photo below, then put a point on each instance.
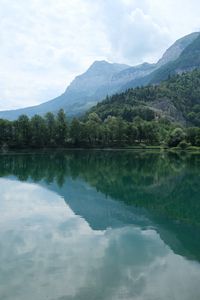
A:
(193, 136)
(175, 137)
(6, 133)
(50, 124)
(132, 133)
(75, 131)
(38, 132)
(111, 126)
(92, 127)
(23, 131)
(62, 132)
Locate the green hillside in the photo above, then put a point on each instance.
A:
(180, 92)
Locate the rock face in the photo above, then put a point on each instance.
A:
(99, 74)
(133, 73)
(188, 60)
(177, 48)
(166, 108)
(141, 74)
(104, 78)
(182, 56)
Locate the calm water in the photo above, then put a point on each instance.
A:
(99, 225)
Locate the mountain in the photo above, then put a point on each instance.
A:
(185, 56)
(177, 48)
(84, 91)
(177, 99)
(188, 60)
(135, 76)
(103, 78)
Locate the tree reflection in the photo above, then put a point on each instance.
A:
(165, 183)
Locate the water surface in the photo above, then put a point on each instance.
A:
(94, 225)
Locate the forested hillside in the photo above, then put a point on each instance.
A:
(177, 99)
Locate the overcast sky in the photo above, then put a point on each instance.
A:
(45, 43)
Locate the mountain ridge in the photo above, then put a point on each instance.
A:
(103, 78)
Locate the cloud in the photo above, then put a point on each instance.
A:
(134, 35)
(45, 43)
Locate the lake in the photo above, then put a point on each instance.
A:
(92, 225)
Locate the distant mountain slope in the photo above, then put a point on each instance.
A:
(183, 56)
(187, 61)
(104, 78)
(177, 99)
(136, 76)
(84, 91)
(177, 48)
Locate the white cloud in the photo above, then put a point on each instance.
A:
(134, 35)
(45, 43)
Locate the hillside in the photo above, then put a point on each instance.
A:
(101, 79)
(177, 99)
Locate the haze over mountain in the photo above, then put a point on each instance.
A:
(104, 78)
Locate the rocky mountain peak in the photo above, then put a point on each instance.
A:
(177, 48)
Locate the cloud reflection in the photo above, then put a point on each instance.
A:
(48, 252)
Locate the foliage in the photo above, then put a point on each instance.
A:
(176, 137)
(54, 131)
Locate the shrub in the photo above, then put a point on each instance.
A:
(184, 145)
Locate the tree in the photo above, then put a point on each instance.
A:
(22, 131)
(121, 137)
(75, 131)
(92, 127)
(150, 132)
(193, 136)
(6, 133)
(61, 128)
(50, 123)
(38, 132)
(175, 137)
(132, 133)
(111, 129)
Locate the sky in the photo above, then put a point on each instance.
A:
(44, 44)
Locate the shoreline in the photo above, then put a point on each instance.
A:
(134, 148)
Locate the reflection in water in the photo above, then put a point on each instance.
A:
(91, 246)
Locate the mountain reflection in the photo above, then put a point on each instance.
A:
(48, 252)
(117, 188)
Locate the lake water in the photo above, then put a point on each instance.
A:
(92, 225)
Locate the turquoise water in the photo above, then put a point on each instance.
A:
(99, 225)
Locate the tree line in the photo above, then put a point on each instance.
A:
(55, 131)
